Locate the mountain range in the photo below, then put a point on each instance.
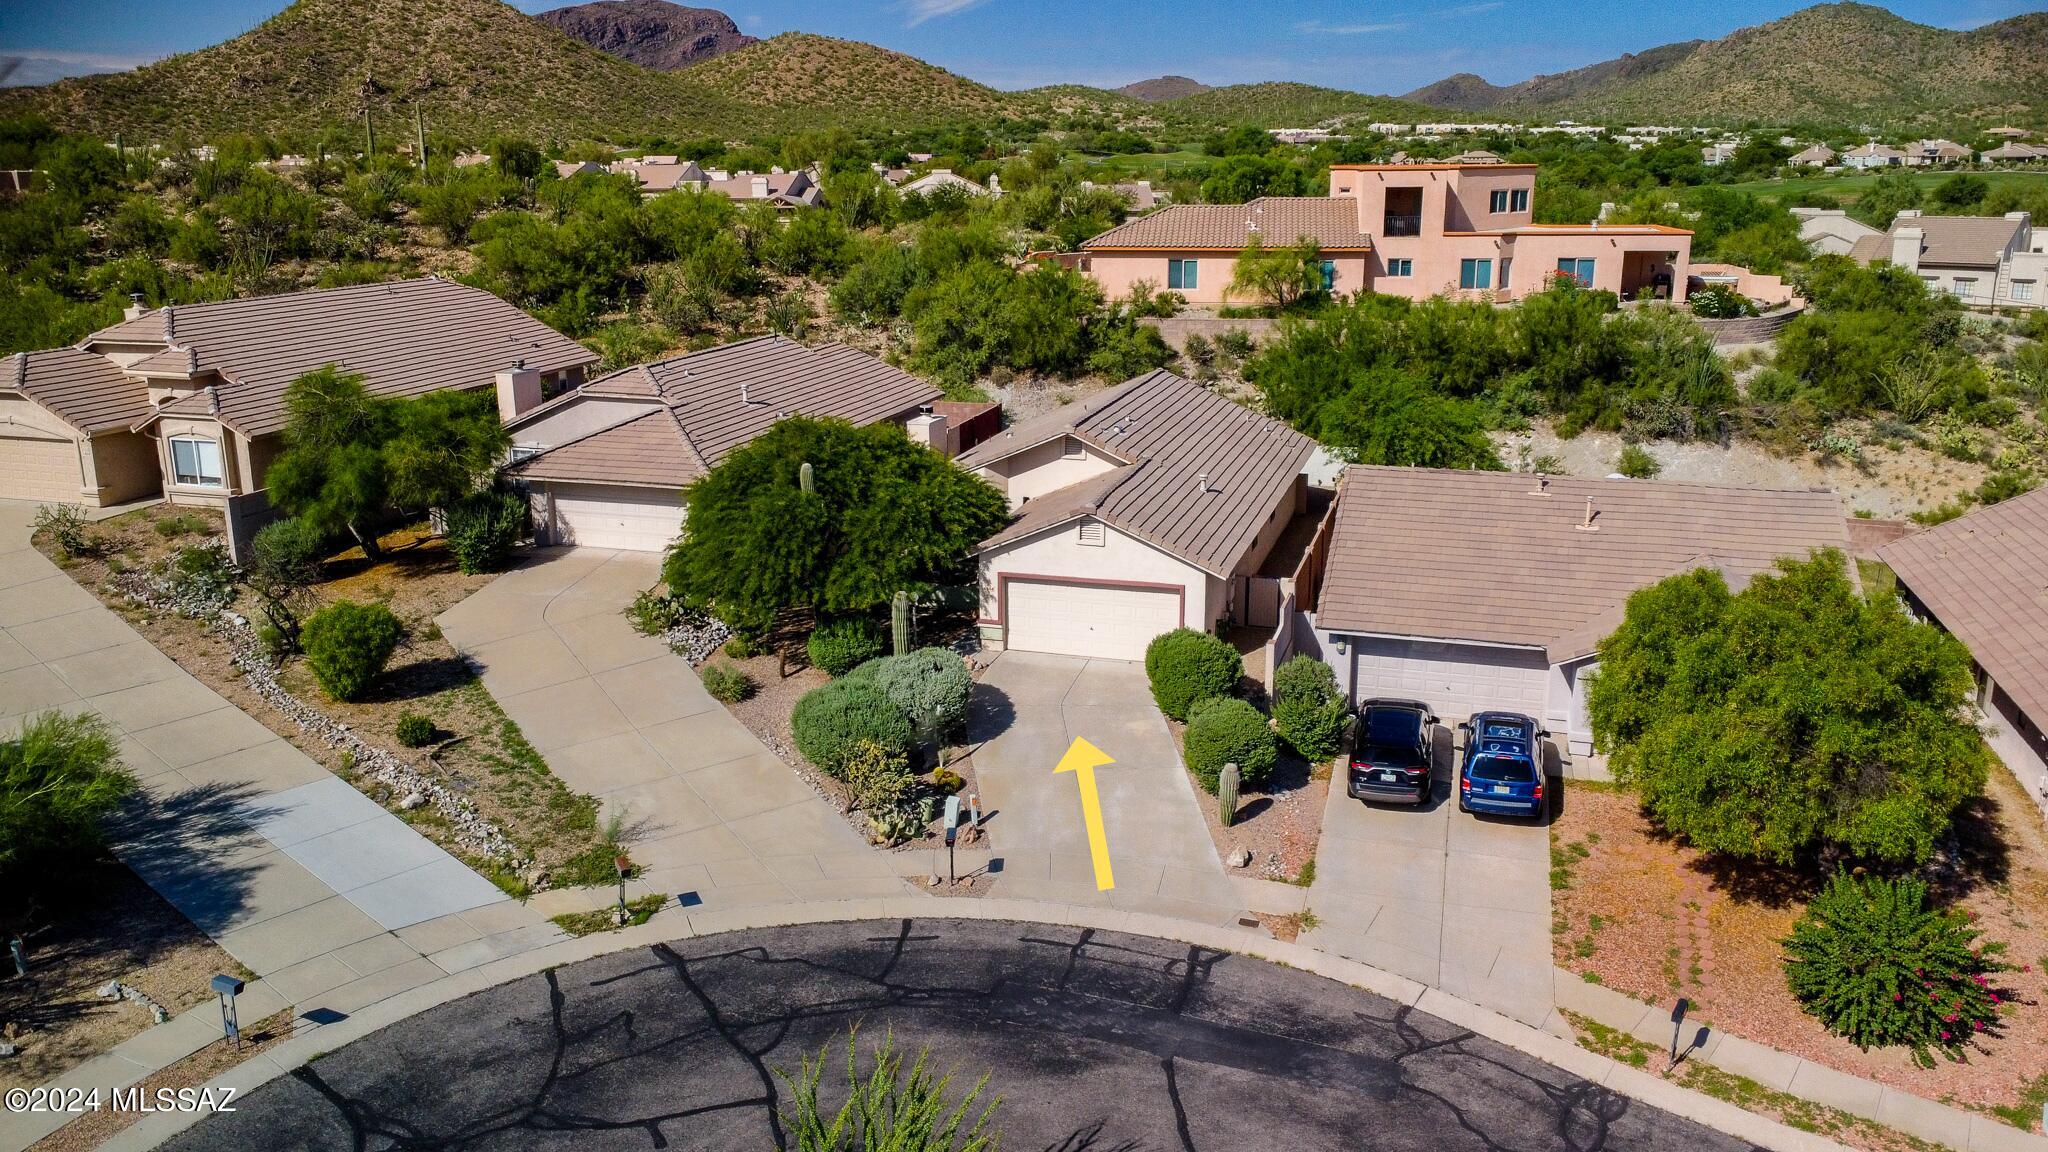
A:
(635, 68)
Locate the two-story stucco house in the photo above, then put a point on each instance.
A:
(1463, 228)
(1984, 261)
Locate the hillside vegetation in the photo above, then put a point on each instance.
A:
(1287, 105)
(797, 80)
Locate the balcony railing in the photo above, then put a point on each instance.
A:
(1402, 225)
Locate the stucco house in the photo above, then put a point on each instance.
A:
(1144, 508)
(1492, 590)
(1831, 231)
(606, 462)
(1463, 228)
(939, 178)
(188, 400)
(1984, 261)
(1873, 155)
(1812, 156)
(1979, 577)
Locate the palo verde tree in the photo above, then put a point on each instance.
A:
(350, 456)
(1792, 719)
(886, 514)
(1281, 277)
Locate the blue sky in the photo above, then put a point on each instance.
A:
(1387, 46)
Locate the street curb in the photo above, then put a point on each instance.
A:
(676, 924)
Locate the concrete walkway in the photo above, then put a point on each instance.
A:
(711, 814)
(1455, 901)
(1028, 707)
(332, 901)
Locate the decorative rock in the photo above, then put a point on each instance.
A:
(1241, 858)
(412, 800)
(7, 1050)
(934, 880)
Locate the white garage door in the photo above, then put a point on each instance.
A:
(38, 469)
(615, 516)
(1110, 622)
(1454, 679)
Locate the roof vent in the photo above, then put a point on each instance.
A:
(1542, 487)
(1202, 482)
(1587, 524)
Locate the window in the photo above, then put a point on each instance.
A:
(1329, 275)
(1518, 200)
(2023, 289)
(1963, 287)
(1580, 270)
(1091, 533)
(1498, 202)
(1400, 267)
(195, 461)
(1181, 274)
(1475, 273)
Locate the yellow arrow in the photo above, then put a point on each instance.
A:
(1082, 759)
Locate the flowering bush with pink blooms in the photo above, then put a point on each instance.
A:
(1873, 962)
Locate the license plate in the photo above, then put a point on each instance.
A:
(1389, 777)
(1500, 789)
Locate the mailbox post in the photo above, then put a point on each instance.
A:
(227, 988)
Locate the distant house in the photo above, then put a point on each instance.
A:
(1979, 577)
(793, 189)
(1925, 152)
(1474, 591)
(1463, 226)
(939, 178)
(893, 177)
(188, 399)
(658, 174)
(1986, 261)
(1150, 506)
(1715, 155)
(470, 159)
(1831, 231)
(2014, 153)
(1138, 195)
(1812, 156)
(566, 169)
(607, 462)
(1873, 155)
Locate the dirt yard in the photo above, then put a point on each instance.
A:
(92, 1129)
(479, 751)
(1657, 920)
(110, 926)
(1279, 823)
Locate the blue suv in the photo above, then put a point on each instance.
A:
(1502, 770)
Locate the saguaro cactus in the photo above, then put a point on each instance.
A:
(803, 478)
(1226, 794)
(899, 622)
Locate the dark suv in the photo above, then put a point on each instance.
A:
(1502, 772)
(1390, 752)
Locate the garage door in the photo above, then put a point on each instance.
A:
(614, 516)
(1110, 622)
(38, 469)
(1454, 679)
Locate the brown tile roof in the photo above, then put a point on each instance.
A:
(407, 337)
(1279, 220)
(1872, 248)
(1972, 241)
(1984, 576)
(85, 391)
(1168, 432)
(1475, 556)
(721, 398)
(648, 450)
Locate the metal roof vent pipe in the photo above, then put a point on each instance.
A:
(1202, 482)
(1542, 487)
(134, 308)
(1587, 524)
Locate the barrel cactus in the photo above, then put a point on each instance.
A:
(1226, 794)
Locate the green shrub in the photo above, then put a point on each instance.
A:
(171, 526)
(1636, 463)
(66, 528)
(484, 528)
(1718, 303)
(1309, 709)
(59, 777)
(415, 730)
(740, 647)
(726, 683)
(841, 644)
(1185, 666)
(201, 579)
(652, 613)
(888, 1106)
(1874, 963)
(930, 685)
(829, 722)
(1223, 730)
(347, 645)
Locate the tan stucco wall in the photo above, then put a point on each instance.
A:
(1043, 468)
(1120, 558)
(125, 467)
(1116, 272)
(231, 462)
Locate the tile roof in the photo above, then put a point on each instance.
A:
(1475, 556)
(1984, 576)
(722, 398)
(406, 337)
(1167, 432)
(648, 450)
(85, 391)
(1281, 220)
(1967, 240)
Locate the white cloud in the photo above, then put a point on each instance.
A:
(1475, 9)
(1318, 28)
(923, 10)
(32, 67)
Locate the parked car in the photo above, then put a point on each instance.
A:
(1502, 769)
(1390, 752)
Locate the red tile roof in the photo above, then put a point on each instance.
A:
(1279, 221)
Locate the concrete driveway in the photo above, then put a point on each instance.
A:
(710, 811)
(1028, 708)
(1458, 902)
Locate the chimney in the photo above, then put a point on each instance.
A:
(1587, 524)
(758, 187)
(134, 308)
(930, 429)
(518, 390)
(1906, 247)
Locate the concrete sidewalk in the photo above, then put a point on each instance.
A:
(332, 901)
(1028, 707)
(711, 814)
